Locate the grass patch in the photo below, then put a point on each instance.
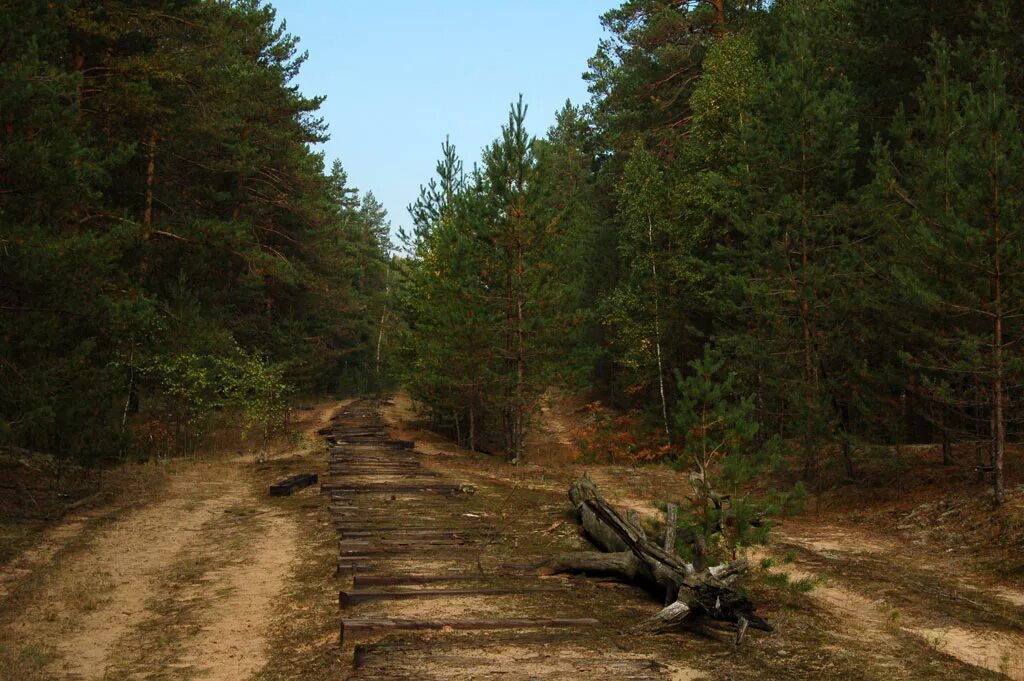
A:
(23, 662)
(893, 619)
(16, 536)
(805, 585)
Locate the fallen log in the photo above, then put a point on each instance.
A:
(628, 554)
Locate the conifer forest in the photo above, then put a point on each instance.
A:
(718, 376)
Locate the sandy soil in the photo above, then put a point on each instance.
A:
(183, 586)
(211, 579)
(36, 557)
(900, 607)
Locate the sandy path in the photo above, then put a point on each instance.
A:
(231, 643)
(36, 557)
(105, 596)
(997, 651)
(185, 586)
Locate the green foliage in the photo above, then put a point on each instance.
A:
(488, 297)
(188, 391)
(258, 389)
(809, 211)
(160, 207)
(719, 430)
(951, 185)
(190, 387)
(632, 311)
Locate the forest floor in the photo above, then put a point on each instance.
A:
(877, 587)
(198, 574)
(191, 572)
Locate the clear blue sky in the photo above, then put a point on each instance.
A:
(400, 75)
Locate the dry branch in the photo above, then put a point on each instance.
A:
(628, 554)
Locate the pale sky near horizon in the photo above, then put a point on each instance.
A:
(400, 75)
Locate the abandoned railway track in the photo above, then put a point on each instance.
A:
(429, 590)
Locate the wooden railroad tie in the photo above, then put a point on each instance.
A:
(353, 565)
(340, 488)
(343, 442)
(407, 534)
(286, 487)
(390, 477)
(359, 522)
(367, 469)
(366, 452)
(361, 581)
(401, 552)
(383, 548)
(353, 629)
(355, 596)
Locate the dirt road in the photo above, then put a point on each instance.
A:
(848, 601)
(209, 578)
(187, 585)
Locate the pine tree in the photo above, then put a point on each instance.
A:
(516, 237)
(956, 176)
(159, 202)
(793, 261)
(718, 429)
(635, 308)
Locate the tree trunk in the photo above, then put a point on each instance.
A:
(520, 402)
(632, 557)
(657, 331)
(851, 471)
(719, 6)
(999, 415)
(383, 321)
(671, 519)
(147, 216)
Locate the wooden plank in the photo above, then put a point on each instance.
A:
(356, 596)
(360, 521)
(368, 460)
(344, 469)
(402, 551)
(371, 452)
(347, 488)
(360, 462)
(347, 567)
(376, 462)
(363, 469)
(414, 533)
(371, 546)
(342, 441)
(292, 484)
(353, 629)
(375, 466)
(398, 476)
(361, 581)
(371, 529)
